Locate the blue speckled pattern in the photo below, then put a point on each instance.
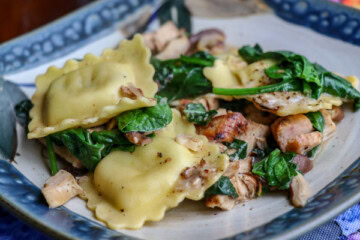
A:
(323, 16)
(68, 34)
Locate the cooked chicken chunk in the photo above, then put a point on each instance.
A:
(60, 188)
(252, 113)
(304, 142)
(299, 191)
(174, 48)
(329, 127)
(295, 133)
(224, 128)
(247, 186)
(158, 39)
(255, 135)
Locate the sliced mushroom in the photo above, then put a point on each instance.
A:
(131, 92)
(211, 40)
(337, 114)
(299, 191)
(138, 138)
(303, 162)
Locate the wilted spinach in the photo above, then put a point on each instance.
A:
(183, 77)
(317, 120)
(240, 147)
(196, 112)
(52, 157)
(146, 119)
(223, 187)
(277, 169)
(90, 148)
(294, 73)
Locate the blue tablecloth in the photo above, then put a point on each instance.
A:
(344, 227)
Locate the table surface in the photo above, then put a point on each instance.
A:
(20, 16)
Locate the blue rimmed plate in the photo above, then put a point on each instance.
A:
(334, 179)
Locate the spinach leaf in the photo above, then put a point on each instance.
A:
(145, 119)
(317, 120)
(52, 157)
(295, 73)
(183, 77)
(251, 54)
(240, 147)
(79, 143)
(22, 110)
(223, 187)
(357, 104)
(112, 140)
(277, 169)
(196, 112)
(312, 152)
(91, 148)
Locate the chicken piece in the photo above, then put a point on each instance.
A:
(65, 154)
(303, 162)
(158, 39)
(304, 142)
(255, 135)
(337, 114)
(166, 33)
(299, 191)
(252, 113)
(295, 131)
(329, 126)
(224, 128)
(60, 188)
(138, 138)
(191, 142)
(149, 40)
(174, 49)
(247, 186)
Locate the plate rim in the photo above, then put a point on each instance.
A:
(22, 214)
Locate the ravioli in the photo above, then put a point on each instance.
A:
(128, 189)
(232, 72)
(87, 93)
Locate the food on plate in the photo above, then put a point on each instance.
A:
(168, 116)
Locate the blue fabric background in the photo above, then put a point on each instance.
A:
(344, 227)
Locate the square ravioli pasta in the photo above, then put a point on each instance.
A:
(89, 92)
(128, 189)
